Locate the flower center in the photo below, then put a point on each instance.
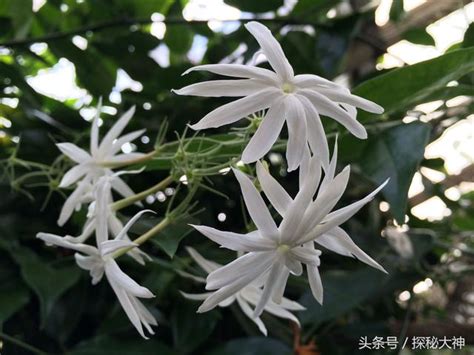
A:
(283, 248)
(288, 88)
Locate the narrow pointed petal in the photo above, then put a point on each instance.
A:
(340, 216)
(115, 131)
(248, 267)
(94, 142)
(278, 311)
(272, 50)
(316, 135)
(129, 137)
(128, 307)
(73, 201)
(275, 193)
(308, 81)
(73, 152)
(330, 109)
(121, 187)
(268, 288)
(52, 239)
(131, 222)
(195, 296)
(266, 134)
(280, 286)
(253, 294)
(315, 283)
(111, 246)
(102, 211)
(244, 306)
(338, 241)
(207, 265)
(226, 88)
(306, 255)
(235, 241)
(293, 265)
(236, 70)
(124, 158)
(297, 139)
(330, 170)
(114, 273)
(73, 175)
(256, 206)
(348, 98)
(238, 109)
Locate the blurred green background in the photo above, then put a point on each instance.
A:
(415, 58)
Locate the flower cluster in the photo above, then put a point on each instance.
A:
(257, 278)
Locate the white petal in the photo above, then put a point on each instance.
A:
(73, 201)
(275, 193)
(268, 288)
(256, 206)
(128, 307)
(236, 110)
(297, 139)
(235, 241)
(236, 70)
(130, 223)
(348, 98)
(338, 241)
(315, 283)
(121, 187)
(266, 134)
(248, 267)
(220, 88)
(281, 312)
(316, 135)
(195, 296)
(52, 239)
(340, 216)
(111, 246)
(280, 286)
(75, 153)
(272, 50)
(94, 143)
(330, 170)
(115, 131)
(307, 81)
(129, 137)
(306, 255)
(244, 306)
(102, 210)
(333, 110)
(207, 265)
(73, 174)
(253, 294)
(124, 158)
(114, 273)
(293, 265)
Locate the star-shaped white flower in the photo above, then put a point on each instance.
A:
(103, 204)
(246, 298)
(96, 163)
(297, 99)
(273, 252)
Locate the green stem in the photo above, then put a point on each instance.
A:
(144, 237)
(21, 344)
(118, 205)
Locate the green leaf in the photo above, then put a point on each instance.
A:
(396, 10)
(108, 345)
(47, 282)
(419, 36)
(13, 296)
(256, 6)
(402, 88)
(362, 284)
(253, 346)
(396, 154)
(189, 328)
(469, 37)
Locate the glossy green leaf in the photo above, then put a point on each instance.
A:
(419, 36)
(255, 6)
(13, 296)
(402, 88)
(396, 154)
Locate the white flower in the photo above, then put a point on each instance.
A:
(298, 99)
(102, 204)
(99, 261)
(246, 297)
(273, 252)
(96, 163)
